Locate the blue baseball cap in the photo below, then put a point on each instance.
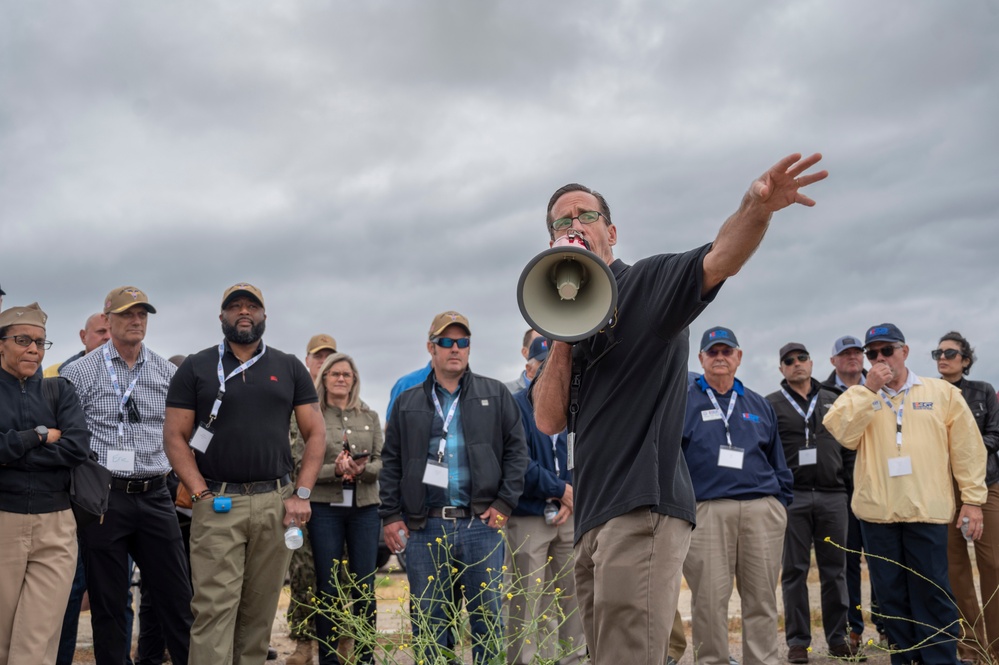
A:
(718, 335)
(884, 332)
(539, 349)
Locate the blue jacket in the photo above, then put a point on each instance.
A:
(541, 482)
(754, 430)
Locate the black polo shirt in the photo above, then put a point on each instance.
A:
(634, 392)
(251, 431)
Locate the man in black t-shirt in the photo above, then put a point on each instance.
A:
(634, 505)
(238, 467)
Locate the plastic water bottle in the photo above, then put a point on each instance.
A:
(964, 529)
(293, 537)
(551, 512)
(403, 539)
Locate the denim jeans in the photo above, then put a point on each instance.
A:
(330, 529)
(922, 606)
(445, 561)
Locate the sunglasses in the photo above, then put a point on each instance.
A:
(801, 358)
(447, 342)
(949, 354)
(725, 351)
(886, 351)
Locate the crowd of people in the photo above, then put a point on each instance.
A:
(568, 495)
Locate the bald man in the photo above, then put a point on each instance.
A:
(95, 332)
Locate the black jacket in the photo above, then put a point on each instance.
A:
(830, 382)
(833, 471)
(494, 438)
(981, 398)
(34, 476)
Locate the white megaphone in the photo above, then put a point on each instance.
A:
(566, 292)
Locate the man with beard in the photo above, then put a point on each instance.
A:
(122, 387)
(233, 403)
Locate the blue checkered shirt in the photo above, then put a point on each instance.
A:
(100, 404)
(459, 474)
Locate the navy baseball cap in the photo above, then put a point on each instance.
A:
(539, 349)
(718, 335)
(844, 343)
(884, 332)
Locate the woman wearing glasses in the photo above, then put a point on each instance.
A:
(42, 436)
(955, 357)
(345, 504)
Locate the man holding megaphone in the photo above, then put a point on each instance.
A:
(621, 391)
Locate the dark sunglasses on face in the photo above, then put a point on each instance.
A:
(447, 342)
(949, 354)
(886, 351)
(725, 351)
(801, 358)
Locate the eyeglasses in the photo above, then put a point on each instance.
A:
(584, 217)
(801, 358)
(886, 351)
(725, 351)
(447, 342)
(25, 341)
(949, 354)
(339, 375)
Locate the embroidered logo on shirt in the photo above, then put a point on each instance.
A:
(751, 417)
(273, 378)
(922, 406)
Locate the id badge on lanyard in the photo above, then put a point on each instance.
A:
(729, 456)
(436, 472)
(901, 465)
(807, 456)
(120, 458)
(202, 436)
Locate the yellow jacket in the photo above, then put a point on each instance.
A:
(939, 434)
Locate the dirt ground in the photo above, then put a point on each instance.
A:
(392, 618)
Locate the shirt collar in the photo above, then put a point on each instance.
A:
(114, 352)
(910, 381)
(702, 383)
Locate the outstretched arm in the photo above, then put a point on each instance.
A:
(741, 233)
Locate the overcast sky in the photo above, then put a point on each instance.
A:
(368, 165)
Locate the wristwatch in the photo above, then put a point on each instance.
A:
(43, 433)
(303, 493)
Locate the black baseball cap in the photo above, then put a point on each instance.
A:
(791, 347)
(884, 332)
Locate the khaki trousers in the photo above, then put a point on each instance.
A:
(982, 626)
(238, 565)
(542, 561)
(628, 583)
(741, 539)
(37, 564)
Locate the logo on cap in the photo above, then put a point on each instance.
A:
(718, 333)
(877, 331)
(132, 292)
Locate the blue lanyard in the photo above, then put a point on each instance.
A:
(223, 378)
(806, 416)
(731, 409)
(122, 397)
(447, 420)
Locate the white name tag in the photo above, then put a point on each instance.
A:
(730, 457)
(711, 414)
(202, 437)
(808, 456)
(436, 475)
(899, 466)
(876, 404)
(348, 498)
(121, 460)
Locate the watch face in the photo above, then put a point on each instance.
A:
(303, 492)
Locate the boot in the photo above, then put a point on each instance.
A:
(302, 655)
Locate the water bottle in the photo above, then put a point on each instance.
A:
(964, 529)
(551, 512)
(403, 539)
(293, 537)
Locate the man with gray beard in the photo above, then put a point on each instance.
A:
(226, 433)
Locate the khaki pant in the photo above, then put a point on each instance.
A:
(542, 561)
(37, 565)
(741, 539)
(238, 565)
(983, 626)
(628, 583)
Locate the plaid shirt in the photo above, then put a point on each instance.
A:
(101, 405)
(459, 474)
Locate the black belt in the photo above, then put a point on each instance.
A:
(259, 487)
(450, 513)
(137, 485)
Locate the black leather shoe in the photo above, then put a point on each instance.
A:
(271, 653)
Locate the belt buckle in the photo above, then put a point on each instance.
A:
(248, 488)
(142, 486)
(447, 509)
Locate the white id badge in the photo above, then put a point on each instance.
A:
(730, 457)
(708, 415)
(121, 460)
(202, 437)
(899, 466)
(436, 474)
(808, 456)
(348, 498)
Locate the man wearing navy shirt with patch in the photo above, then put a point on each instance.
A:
(743, 488)
(633, 504)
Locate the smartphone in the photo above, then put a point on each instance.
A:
(361, 455)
